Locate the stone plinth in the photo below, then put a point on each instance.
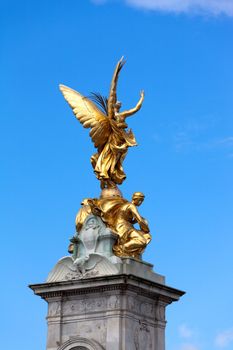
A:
(122, 311)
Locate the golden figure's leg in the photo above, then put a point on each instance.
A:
(133, 246)
(136, 243)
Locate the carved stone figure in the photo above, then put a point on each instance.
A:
(92, 253)
(142, 337)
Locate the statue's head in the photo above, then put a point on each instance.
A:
(118, 117)
(117, 106)
(138, 198)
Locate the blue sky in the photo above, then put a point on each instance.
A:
(181, 54)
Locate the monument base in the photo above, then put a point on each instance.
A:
(124, 311)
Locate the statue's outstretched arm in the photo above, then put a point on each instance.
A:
(132, 111)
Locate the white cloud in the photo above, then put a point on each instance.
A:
(214, 7)
(185, 141)
(225, 338)
(227, 141)
(189, 347)
(185, 331)
(197, 136)
(211, 7)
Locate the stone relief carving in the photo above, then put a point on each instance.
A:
(140, 307)
(54, 309)
(147, 309)
(92, 253)
(83, 306)
(133, 304)
(142, 337)
(94, 305)
(97, 331)
(79, 275)
(160, 312)
(114, 302)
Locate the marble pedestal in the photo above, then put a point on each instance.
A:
(121, 311)
(98, 301)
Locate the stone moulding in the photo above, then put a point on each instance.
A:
(79, 343)
(108, 283)
(114, 312)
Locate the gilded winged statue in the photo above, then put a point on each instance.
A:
(108, 129)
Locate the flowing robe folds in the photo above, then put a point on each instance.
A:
(107, 163)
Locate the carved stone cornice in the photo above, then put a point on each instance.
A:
(121, 283)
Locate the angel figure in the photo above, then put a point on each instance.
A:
(108, 129)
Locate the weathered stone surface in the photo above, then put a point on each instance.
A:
(97, 301)
(123, 311)
(93, 256)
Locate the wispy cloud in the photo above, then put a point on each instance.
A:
(198, 136)
(184, 142)
(188, 334)
(224, 338)
(192, 135)
(214, 7)
(185, 331)
(195, 135)
(211, 7)
(227, 141)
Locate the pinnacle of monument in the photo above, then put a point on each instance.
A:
(103, 296)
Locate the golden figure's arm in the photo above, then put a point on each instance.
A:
(132, 111)
(137, 217)
(112, 94)
(135, 213)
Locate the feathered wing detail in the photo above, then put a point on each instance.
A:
(100, 100)
(112, 94)
(89, 115)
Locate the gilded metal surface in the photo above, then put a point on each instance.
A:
(83, 213)
(108, 130)
(120, 216)
(111, 139)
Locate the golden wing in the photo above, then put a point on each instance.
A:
(89, 115)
